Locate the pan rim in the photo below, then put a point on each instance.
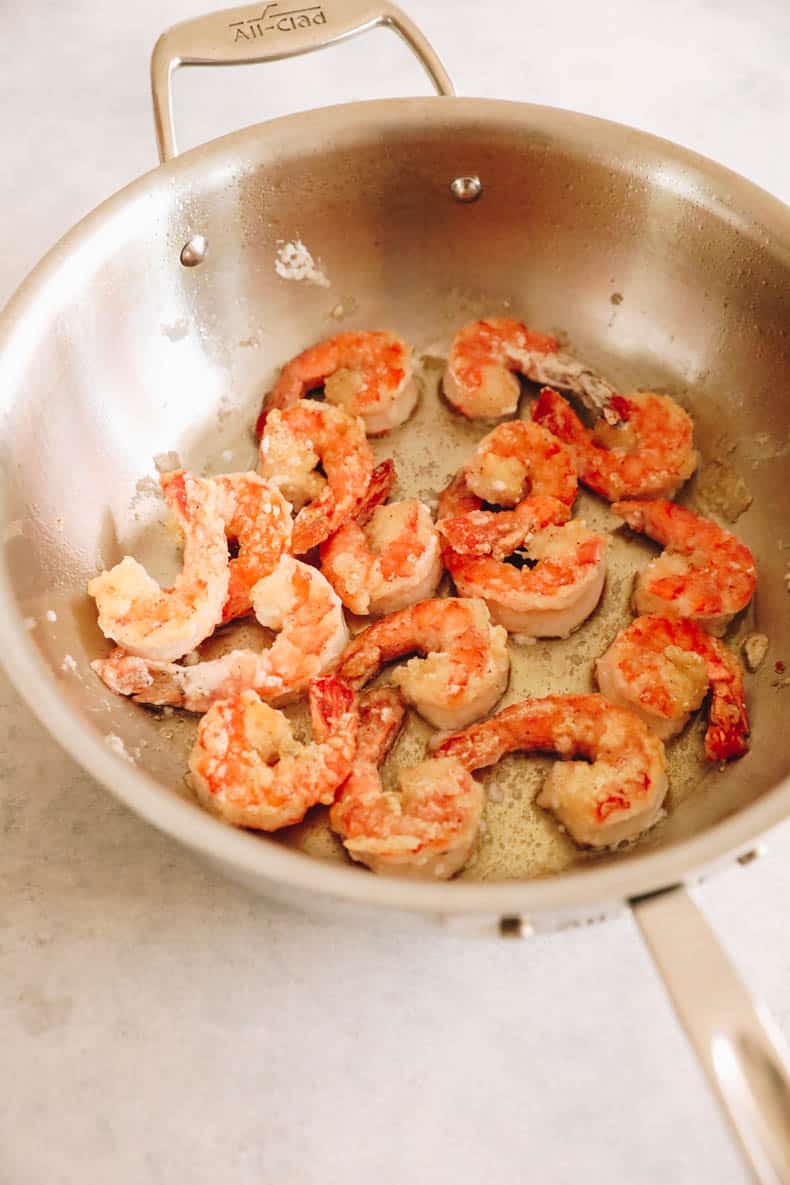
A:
(583, 888)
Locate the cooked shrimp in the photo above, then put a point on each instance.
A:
(368, 374)
(258, 517)
(382, 480)
(164, 623)
(247, 766)
(294, 442)
(705, 572)
(480, 381)
(386, 563)
(615, 793)
(648, 454)
(469, 530)
(542, 576)
(551, 598)
(465, 668)
(662, 667)
(295, 600)
(520, 458)
(429, 828)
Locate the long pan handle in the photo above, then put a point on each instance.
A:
(267, 32)
(737, 1043)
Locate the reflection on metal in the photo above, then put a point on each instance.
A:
(466, 189)
(194, 251)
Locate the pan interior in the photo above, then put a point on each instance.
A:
(658, 274)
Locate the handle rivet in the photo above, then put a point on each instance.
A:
(466, 189)
(513, 926)
(194, 251)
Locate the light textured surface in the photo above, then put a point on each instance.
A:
(161, 1025)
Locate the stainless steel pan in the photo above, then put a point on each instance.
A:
(156, 324)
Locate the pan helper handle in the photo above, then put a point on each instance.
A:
(266, 32)
(737, 1043)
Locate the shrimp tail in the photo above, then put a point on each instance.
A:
(146, 681)
(727, 735)
(123, 673)
(555, 413)
(331, 701)
(381, 714)
(313, 524)
(166, 687)
(382, 481)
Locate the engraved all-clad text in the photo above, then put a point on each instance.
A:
(274, 19)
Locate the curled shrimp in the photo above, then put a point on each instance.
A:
(661, 669)
(294, 442)
(519, 458)
(480, 380)
(540, 575)
(163, 624)
(367, 374)
(387, 562)
(615, 793)
(258, 518)
(247, 766)
(295, 600)
(470, 531)
(465, 666)
(429, 827)
(704, 572)
(649, 454)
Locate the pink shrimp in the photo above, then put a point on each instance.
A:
(163, 624)
(429, 827)
(368, 374)
(295, 600)
(614, 794)
(471, 531)
(517, 459)
(662, 667)
(465, 666)
(705, 573)
(480, 381)
(648, 454)
(294, 441)
(247, 766)
(556, 572)
(387, 562)
(258, 518)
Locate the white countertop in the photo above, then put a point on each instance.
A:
(163, 1026)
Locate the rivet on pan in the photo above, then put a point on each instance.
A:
(752, 854)
(195, 251)
(466, 189)
(513, 926)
